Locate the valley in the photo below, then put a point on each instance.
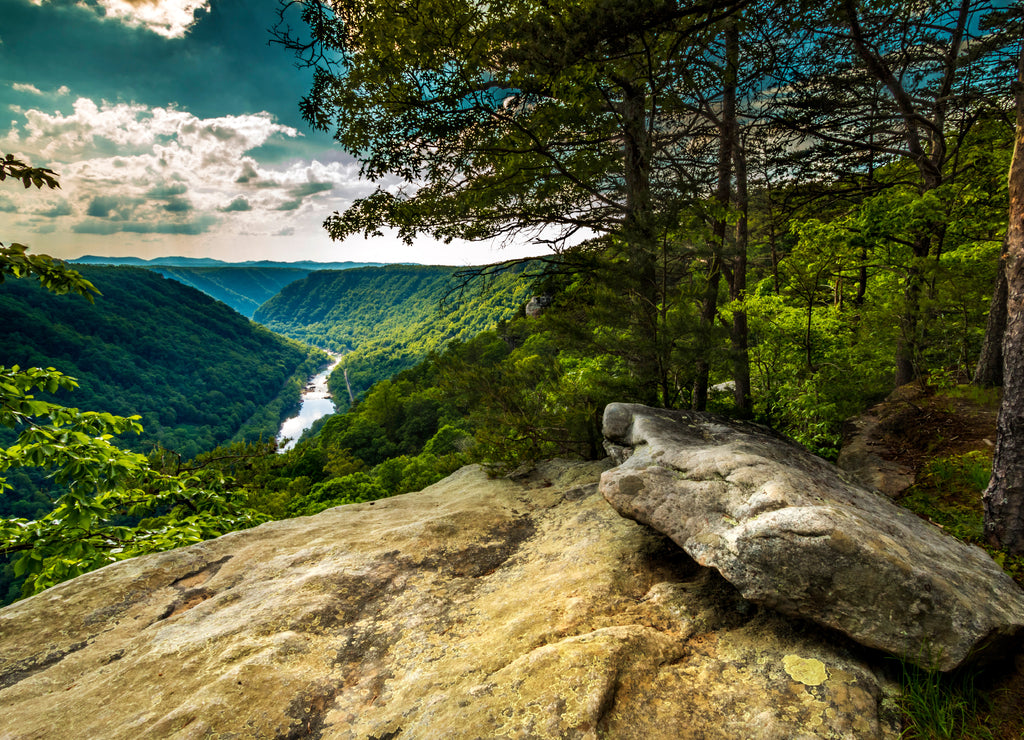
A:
(244, 286)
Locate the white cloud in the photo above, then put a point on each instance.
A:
(129, 168)
(151, 182)
(26, 88)
(168, 18)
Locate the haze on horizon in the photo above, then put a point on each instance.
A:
(174, 128)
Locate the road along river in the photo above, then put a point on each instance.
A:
(316, 403)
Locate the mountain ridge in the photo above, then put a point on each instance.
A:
(176, 261)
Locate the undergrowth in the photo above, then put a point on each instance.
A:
(948, 493)
(938, 706)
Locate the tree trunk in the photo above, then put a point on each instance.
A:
(739, 334)
(989, 371)
(638, 231)
(906, 343)
(1004, 498)
(709, 307)
(723, 196)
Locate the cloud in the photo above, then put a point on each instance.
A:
(238, 204)
(60, 208)
(7, 205)
(127, 129)
(134, 169)
(104, 227)
(167, 191)
(111, 206)
(171, 19)
(178, 205)
(26, 88)
(311, 188)
(248, 173)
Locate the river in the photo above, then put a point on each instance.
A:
(316, 403)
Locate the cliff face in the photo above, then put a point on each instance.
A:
(476, 608)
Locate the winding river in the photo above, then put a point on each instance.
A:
(316, 403)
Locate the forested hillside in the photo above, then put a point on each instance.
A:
(92, 259)
(243, 288)
(197, 372)
(388, 318)
(780, 212)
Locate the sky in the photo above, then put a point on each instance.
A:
(174, 128)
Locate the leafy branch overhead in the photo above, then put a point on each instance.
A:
(11, 166)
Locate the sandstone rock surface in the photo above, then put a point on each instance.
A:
(793, 532)
(477, 608)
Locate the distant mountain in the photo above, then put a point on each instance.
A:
(388, 318)
(91, 259)
(244, 286)
(198, 373)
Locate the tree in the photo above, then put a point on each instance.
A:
(989, 370)
(877, 83)
(562, 120)
(1004, 497)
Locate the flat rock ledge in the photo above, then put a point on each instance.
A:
(477, 608)
(795, 533)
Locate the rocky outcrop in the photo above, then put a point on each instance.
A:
(522, 608)
(537, 305)
(794, 533)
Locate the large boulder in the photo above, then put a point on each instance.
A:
(795, 533)
(523, 608)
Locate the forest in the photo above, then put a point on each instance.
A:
(805, 203)
(195, 371)
(244, 286)
(146, 366)
(774, 212)
(386, 319)
(245, 289)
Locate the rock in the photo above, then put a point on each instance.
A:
(537, 305)
(477, 608)
(794, 533)
(861, 457)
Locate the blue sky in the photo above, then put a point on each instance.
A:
(174, 127)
